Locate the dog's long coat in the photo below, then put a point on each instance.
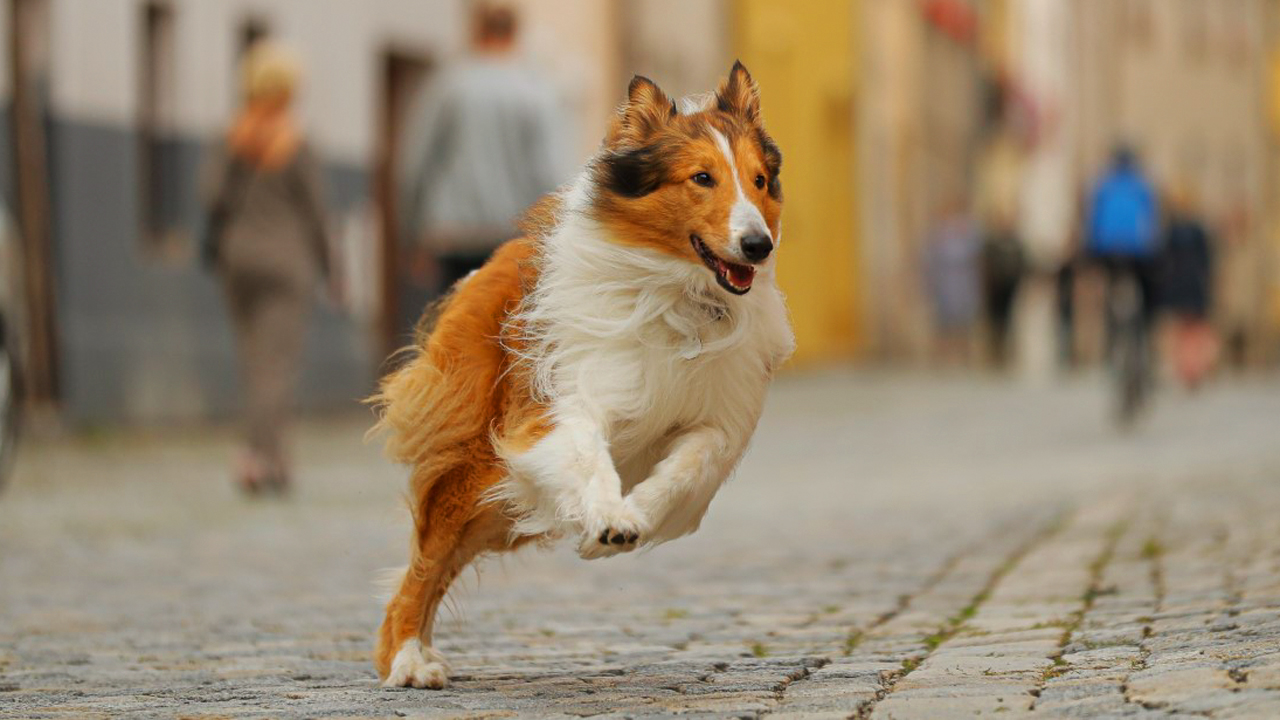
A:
(601, 377)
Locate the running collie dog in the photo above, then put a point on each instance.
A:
(600, 377)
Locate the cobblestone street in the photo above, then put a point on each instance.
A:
(892, 547)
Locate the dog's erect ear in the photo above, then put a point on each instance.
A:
(738, 94)
(646, 110)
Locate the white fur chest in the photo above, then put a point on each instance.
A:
(648, 345)
(697, 360)
(636, 355)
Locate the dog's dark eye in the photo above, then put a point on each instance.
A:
(704, 179)
(760, 182)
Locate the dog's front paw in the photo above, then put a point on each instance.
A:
(417, 667)
(611, 531)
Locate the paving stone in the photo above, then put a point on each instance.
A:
(1171, 686)
(954, 706)
(884, 551)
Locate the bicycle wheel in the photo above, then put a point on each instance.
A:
(1129, 352)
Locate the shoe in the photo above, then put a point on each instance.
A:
(252, 476)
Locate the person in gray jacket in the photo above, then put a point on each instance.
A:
(484, 143)
(267, 241)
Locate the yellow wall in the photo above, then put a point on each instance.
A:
(803, 56)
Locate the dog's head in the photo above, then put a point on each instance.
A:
(701, 185)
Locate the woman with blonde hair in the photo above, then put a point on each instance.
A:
(267, 241)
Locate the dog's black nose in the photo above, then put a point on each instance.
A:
(756, 247)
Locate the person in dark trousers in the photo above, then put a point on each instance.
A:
(1065, 297)
(1186, 292)
(1003, 265)
(268, 243)
(484, 144)
(1123, 228)
(952, 275)
(1070, 268)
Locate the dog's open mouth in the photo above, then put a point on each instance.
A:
(733, 277)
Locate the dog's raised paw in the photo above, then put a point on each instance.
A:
(417, 667)
(609, 536)
(609, 533)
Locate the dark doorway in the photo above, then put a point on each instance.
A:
(403, 75)
(29, 65)
(157, 150)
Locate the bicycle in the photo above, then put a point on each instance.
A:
(1129, 346)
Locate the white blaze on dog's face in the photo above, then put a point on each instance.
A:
(701, 186)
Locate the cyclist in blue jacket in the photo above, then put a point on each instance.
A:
(1122, 233)
(1123, 225)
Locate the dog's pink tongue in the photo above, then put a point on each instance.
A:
(741, 275)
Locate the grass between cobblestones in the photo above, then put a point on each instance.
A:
(855, 636)
(955, 623)
(135, 584)
(1153, 552)
(1091, 593)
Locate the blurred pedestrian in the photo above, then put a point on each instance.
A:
(952, 274)
(1186, 290)
(1003, 266)
(1240, 285)
(268, 242)
(998, 190)
(1066, 279)
(1123, 227)
(484, 144)
(1065, 301)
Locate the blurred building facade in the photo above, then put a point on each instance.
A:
(883, 109)
(919, 132)
(1191, 85)
(113, 105)
(1188, 85)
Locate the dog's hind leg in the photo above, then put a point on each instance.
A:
(452, 526)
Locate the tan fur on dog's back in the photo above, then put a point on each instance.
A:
(439, 408)
(440, 412)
